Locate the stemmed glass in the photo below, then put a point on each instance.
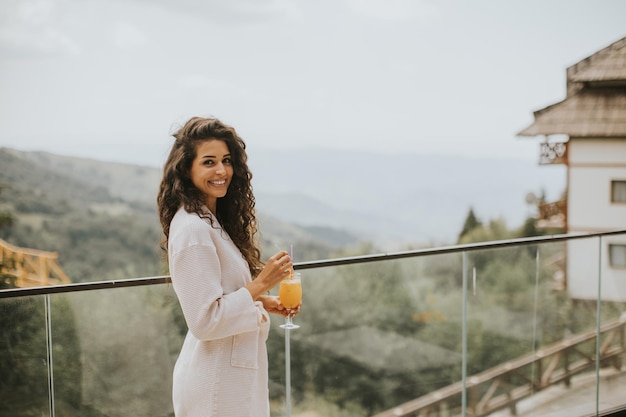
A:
(290, 294)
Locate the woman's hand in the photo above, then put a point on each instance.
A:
(272, 304)
(277, 268)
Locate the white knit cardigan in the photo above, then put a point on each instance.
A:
(222, 367)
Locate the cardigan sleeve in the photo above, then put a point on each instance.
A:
(210, 314)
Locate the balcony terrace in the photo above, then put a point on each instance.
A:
(483, 329)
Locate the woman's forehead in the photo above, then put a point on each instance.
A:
(212, 147)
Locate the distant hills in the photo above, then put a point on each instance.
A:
(397, 199)
(43, 188)
(334, 197)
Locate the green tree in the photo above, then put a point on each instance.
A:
(529, 228)
(23, 386)
(471, 223)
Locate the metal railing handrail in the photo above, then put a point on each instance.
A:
(83, 286)
(468, 247)
(164, 279)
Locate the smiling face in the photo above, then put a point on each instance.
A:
(212, 171)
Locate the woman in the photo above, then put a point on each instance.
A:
(206, 209)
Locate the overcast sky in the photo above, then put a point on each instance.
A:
(111, 79)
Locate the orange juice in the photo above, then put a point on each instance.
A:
(290, 292)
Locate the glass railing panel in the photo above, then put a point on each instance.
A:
(378, 338)
(612, 312)
(23, 357)
(520, 321)
(373, 336)
(114, 351)
(533, 319)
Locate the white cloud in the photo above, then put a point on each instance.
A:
(33, 26)
(282, 8)
(394, 9)
(228, 12)
(35, 12)
(201, 84)
(128, 36)
(41, 40)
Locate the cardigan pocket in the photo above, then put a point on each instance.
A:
(245, 350)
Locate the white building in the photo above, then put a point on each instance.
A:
(592, 119)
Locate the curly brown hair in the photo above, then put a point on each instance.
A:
(235, 211)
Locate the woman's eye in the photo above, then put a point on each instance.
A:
(208, 162)
(228, 161)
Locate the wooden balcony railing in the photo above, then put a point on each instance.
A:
(31, 267)
(506, 384)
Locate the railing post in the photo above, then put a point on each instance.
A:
(43, 271)
(599, 324)
(49, 355)
(509, 388)
(464, 340)
(568, 380)
(538, 376)
(622, 343)
(444, 410)
(472, 401)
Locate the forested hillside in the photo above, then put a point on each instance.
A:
(97, 235)
(101, 217)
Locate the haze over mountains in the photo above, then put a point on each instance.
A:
(390, 200)
(397, 199)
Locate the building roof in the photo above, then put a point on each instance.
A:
(608, 64)
(597, 112)
(595, 105)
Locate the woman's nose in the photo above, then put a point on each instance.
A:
(220, 168)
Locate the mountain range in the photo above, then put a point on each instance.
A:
(401, 199)
(345, 197)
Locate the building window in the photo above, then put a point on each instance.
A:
(618, 191)
(617, 256)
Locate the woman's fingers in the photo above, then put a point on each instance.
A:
(272, 304)
(282, 262)
(278, 267)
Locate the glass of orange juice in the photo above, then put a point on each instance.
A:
(290, 294)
